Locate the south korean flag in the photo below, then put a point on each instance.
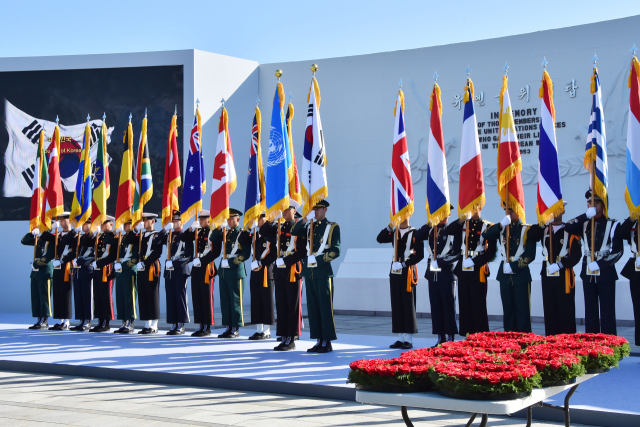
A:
(24, 135)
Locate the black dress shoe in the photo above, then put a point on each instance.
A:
(95, 329)
(397, 344)
(35, 326)
(64, 327)
(43, 325)
(234, 334)
(180, 331)
(313, 349)
(149, 331)
(286, 347)
(206, 332)
(225, 334)
(128, 329)
(406, 345)
(326, 348)
(86, 327)
(119, 330)
(55, 327)
(256, 336)
(197, 334)
(143, 331)
(77, 328)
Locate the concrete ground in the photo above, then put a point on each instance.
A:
(49, 400)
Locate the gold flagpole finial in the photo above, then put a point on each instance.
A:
(314, 68)
(278, 73)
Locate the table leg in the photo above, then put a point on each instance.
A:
(567, 418)
(529, 416)
(405, 416)
(485, 419)
(473, 417)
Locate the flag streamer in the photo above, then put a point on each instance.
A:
(255, 194)
(172, 179)
(596, 147)
(437, 205)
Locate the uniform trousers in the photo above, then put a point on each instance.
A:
(202, 295)
(516, 305)
(442, 297)
(599, 305)
(634, 285)
(472, 301)
(149, 293)
(231, 289)
(126, 292)
(102, 297)
(288, 295)
(403, 304)
(175, 285)
(320, 308)
(62, 308)
(40, 296)
(559, 306)
(261, 296)
(83, 293)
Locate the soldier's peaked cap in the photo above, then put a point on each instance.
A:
(205, 214)
(322, 204)
(64, 215)
(176, 216)
(587, 196)
(149, 216)
(234, 212)
(109, 218)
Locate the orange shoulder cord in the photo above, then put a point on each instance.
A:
(265, 284)
(484, 270)
(410, 281)
(67, 272)
(569, 275)
(208, 273)
(105, 272)
(295, 269)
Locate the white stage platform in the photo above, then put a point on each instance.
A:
(607, 400)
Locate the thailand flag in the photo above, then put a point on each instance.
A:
(550, 202)
(632, 193)
(401, 184)
(438, 207)
(471, 196)
(596, 146)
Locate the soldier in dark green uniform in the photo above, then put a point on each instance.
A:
(41, 276)
(126, 275)
(232, 272)
(514, 275)
(318, 274)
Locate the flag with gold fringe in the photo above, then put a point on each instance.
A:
(83, 196)
(224, 173)
(126, 186)
(254, 204)
(438, 205)
(550, 203)
(172, 179)
(314, 155)
(471, 197)
(632, 192)
(195, 182)
(295, 198)
(100, 188)
(142, 176)
(277, 176)
(37, 187)
(53, 197)
(509, 161)
(401, 183)
(595, 152)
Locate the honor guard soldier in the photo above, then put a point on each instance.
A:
(232, 272)
(598, 276)
(176, 273)
(83, 277)
(202, 273)
(443, 252)
(403, 280)
(126, 278)
(261, 280)
(514, 274)
(41, 275)
(629, 231)
(149, 274)
(62, 271)
(288, 279)
(561, 252)
(472, 271)
(323, 248)
(103, 275)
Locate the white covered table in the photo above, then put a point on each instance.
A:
(432, 400)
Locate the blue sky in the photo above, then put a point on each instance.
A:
(275, 31)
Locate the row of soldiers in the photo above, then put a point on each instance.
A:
(459, 253)
(86, 264)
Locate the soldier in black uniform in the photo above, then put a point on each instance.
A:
(558, 279)
(598, 276)
(403, 280)
(103, 275)
(41, 274)
(83, 278)
(472, 271)
(176, 274)
(62, 272)
(628, 231)
(287, 275)
(149, 274)
(261, 279)
(202, 274)
(442, 283)
(126, 278)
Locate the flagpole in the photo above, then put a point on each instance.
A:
(593, 204)
(551, 258)
(466, 243)
(195, 240)
(224, 242)
(311, 237)
(507, 210)
(35, 247)
(395, 244)
(253, 243)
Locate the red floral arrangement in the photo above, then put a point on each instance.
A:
(492, 364)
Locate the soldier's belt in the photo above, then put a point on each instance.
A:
(598, 255)
(285, 253)
(475, 253)
(182, 258)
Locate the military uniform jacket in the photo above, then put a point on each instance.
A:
(181, 251)
(67, 245)
(44, 254)
(408, 255)
(238, 250)
(129, 255)
(266, 250)
(448, 252)
(481, 251)
(567, 249)
(292, 250)
(522, 251)
(106, 254)
(628, 231)
(85, 256)
(151, 248)
(607, 254)
(325, 246)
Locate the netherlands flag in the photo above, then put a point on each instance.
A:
(438, 207)
(401, 184)
(550, 202)
(632, 193)
(471, 196)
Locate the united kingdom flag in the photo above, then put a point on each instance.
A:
(401, 184)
